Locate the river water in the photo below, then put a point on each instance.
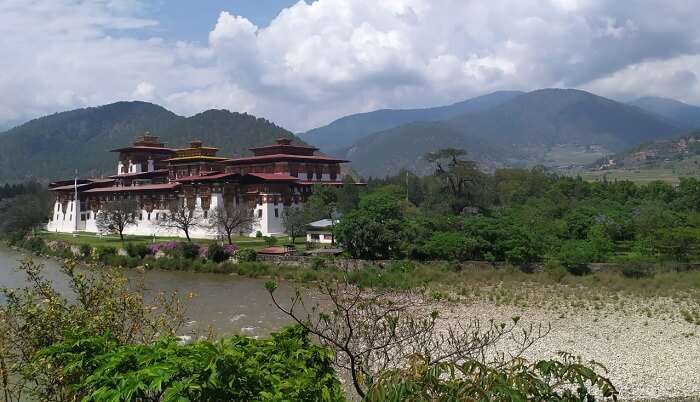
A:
(229, 304)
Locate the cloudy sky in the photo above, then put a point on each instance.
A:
(302, 64)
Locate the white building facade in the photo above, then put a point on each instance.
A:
(277, 177)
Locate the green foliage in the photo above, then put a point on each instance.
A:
(85, 250)
(285, 367)
(137, 250)
(25, 212)
(575, 255)
(270, 241)
(101, 301)
(103, 252)
(565, 380)
(189, 250)
(246, 255)
(217, 253)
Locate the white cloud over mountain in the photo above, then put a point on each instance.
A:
(317, 61)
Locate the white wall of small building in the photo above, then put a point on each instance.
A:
(324, 237)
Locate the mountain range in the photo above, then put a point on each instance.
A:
(555, 127)
(54, 146)
(520, 129)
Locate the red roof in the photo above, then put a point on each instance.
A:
(274, 176)
(145, 187)
(69, 187)
(140, 174)
(276, 157)
(207, 177)
(163, 150)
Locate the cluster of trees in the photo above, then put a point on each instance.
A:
(13, 190)
(520, 216)
(24, 207)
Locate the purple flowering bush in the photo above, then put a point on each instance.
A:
(167, 247)
(230, 249)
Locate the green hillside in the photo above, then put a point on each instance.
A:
(54, 146)
(343, 132)
(522, 131)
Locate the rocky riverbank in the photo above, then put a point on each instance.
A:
(654, 358)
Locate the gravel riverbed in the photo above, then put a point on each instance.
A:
(647, 358)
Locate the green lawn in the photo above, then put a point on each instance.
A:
(114, 241)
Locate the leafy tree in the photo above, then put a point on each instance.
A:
(115, 216)
(462, 179)
(679, 244)
(180, 218)
(295, 220)
(373, 230)
(232, 219)
(102, 301)
(25, 212)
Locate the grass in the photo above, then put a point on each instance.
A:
(114, 241)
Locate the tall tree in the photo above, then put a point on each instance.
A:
(463, 181)
(180, 218)
(230, 219)
(115, 216)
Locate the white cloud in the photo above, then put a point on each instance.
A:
(317, 61)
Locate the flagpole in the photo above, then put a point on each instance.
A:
(75, 202)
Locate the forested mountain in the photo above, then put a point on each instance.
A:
(343, 132)
(519, 131)
(54, 146)
(680, 113)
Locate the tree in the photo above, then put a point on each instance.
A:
(101, 301)
(375, 331)
(25, 212)
(115, 216)
(295, 220)
(180, 218)
(463, 181)
(373, 230)
(232, 219)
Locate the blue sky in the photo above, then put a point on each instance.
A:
(192, 20)
(321, 60)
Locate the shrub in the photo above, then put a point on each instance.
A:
(217, 253)
(137, 250)
(168, 247)
(34, 244)
(575, 255)
(318, 263)
(246, 255)
(270, 241)
(85, 250)
(286, 366)
(103, 252)
(258, 234)
(189, 250)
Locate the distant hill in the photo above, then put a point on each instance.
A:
(54, 146)
(343, 132)
(680, 113)
(665, 160)
(520, 131)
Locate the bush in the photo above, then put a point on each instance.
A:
(34, 244)
(270, 241)
(575, 255)
(246, 255)
(258, 234)
(103, 252)
(137, 250)
(189, 250)
(85, 250)
(216, 253)
(286, 366)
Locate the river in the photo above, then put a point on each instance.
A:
(229, 304)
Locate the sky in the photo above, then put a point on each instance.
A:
(303, 64)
